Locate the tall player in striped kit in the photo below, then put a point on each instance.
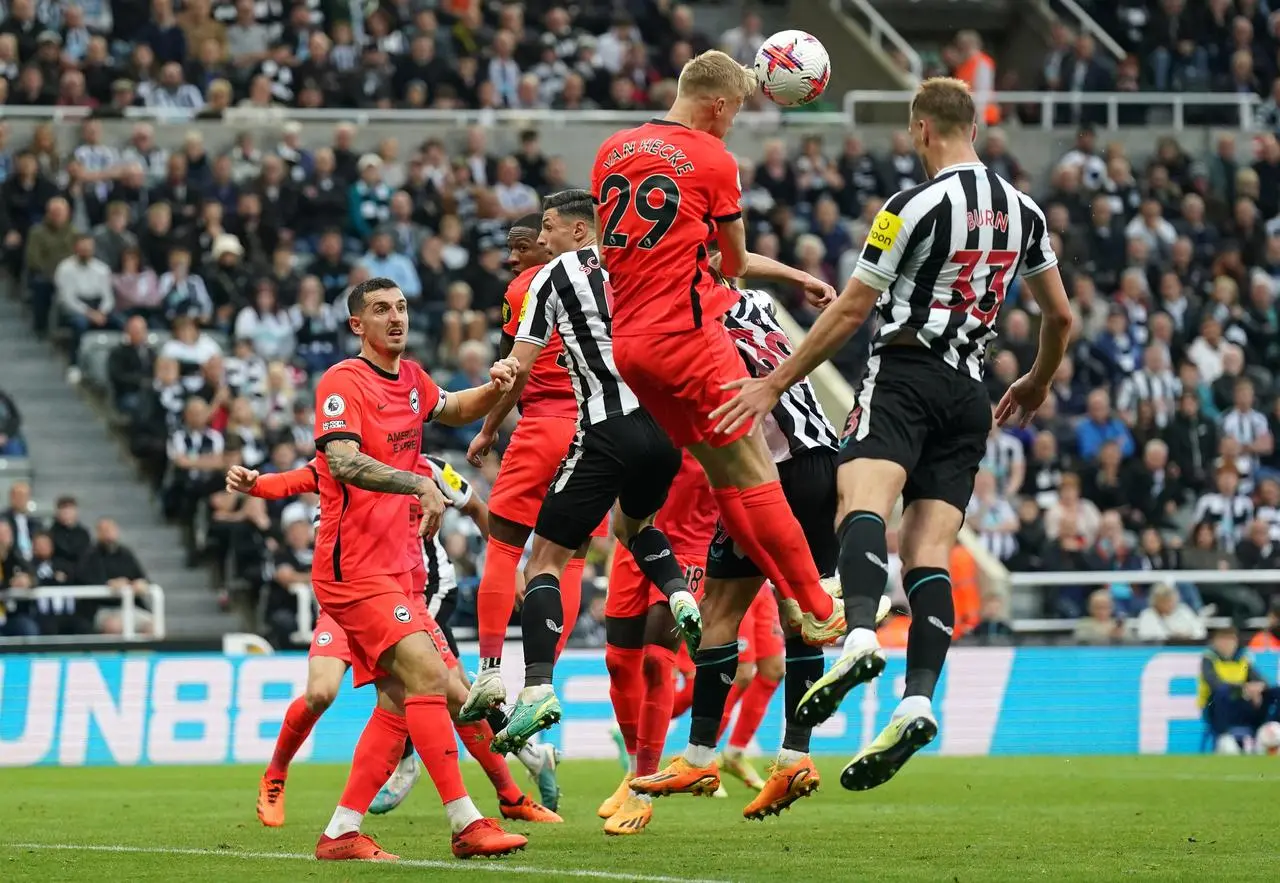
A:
(548, 422)
(937, 263)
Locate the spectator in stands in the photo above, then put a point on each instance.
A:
(1226, 509)
(110, 563)
(195, 454)
(1100, 625)
(316, 328)
(994, 627)
(136, 289)
(49, 243)
(1153, 489)
(227, 278)
(14, 574)
(992, 517)
(129, 366)
(70, 538)
(191, 348)
(1233, 694)
(1258, 551)
(183, 295)
(21, 518)
(55, 616)
(382, 260)
(1100, 426)
(289, 564)
(1168, 619)
(266, 324)
(1193, 442)
(1085, 519)
(11, 442)
(84, 292)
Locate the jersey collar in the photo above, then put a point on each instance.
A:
(956, 167)
(657, 122)
(387, 375)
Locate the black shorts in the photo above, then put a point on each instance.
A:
(915, 410)
(809, 484)
(628, 459)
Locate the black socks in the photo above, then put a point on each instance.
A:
(542, 622)
(716, 668)
(657, 560)
(933, 619)
(805, 665)
(863, 566)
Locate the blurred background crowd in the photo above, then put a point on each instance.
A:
(201, 289)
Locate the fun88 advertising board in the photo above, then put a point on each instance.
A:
(104, 709)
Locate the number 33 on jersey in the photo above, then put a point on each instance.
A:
(944, 254)
(661, 190)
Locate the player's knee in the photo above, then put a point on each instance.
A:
(657, 669)
(771, 668)
(320, 696)
(742, 677)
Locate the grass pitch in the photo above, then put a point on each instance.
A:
(988, 819)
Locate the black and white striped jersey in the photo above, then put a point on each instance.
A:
(1245, 427)
(943, 255)
(1228, 515)
(569, 296)
(797, 422)
(442, 579)
(1161, 388)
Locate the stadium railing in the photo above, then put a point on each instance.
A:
(128, 612)
(882, 33)
(1176, 102)
(1034, 584)
(1085, 22)
(366, 116)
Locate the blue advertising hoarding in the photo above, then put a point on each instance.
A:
(143, 708)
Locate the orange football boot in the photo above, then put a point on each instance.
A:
(679, 777)
(783, 788)
(614, 801)
(271, 802)
(631, 818)
(352, 846)
(526, 809)
(484, 837)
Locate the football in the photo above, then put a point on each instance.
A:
(1269, 738)
(793, 68)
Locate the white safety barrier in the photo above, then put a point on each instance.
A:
(128, 611)
(1176, 102)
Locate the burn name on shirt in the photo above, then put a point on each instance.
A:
(680, 163)
(404, 440)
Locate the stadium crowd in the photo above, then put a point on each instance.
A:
(223, 267)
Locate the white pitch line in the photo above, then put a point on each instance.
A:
(486, 867)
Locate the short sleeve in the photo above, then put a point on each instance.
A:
(517, 293)
(432, 396)
(455, 488)
(339, 407)
(1038, 248)
(886, 247)
(726, 190)
(537, 319)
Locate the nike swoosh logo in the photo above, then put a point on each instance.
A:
(665, 553)
(380, 407)
(875, 559)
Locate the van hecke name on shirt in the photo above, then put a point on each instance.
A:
(655, 146)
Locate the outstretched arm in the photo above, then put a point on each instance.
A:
(817, 292)
(523, 354)
(758, 396)
(469, 405)
(278, 485)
